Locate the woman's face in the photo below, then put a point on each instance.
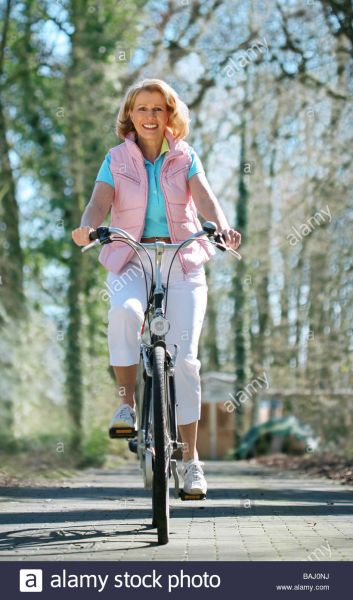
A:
(150, 116)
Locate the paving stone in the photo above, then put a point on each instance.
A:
(106, 515)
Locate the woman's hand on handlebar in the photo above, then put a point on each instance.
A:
(232, 238)
(81, 235)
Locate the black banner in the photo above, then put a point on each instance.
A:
(264, 580)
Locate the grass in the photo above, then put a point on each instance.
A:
(49, 458)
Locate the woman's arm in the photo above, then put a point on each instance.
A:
(94, 213)
(98, 206)
(210, 209)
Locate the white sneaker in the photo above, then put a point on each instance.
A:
(194, 480)
(124, 418)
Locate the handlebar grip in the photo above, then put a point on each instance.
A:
(93, 235)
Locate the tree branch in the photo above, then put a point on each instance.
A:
(4, 35)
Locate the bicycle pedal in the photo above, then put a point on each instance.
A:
(122, 432)
(185, 497)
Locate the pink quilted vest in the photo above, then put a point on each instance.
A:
(130, 203)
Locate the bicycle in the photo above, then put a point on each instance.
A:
(156, 436)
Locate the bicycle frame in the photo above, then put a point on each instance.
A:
(159, 369)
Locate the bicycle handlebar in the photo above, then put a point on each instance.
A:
(103, 235)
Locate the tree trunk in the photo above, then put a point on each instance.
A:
(11, 257)
(11, 260)
(74, 382)
(240, 318)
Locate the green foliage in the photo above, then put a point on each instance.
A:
(60, 86)
(94, 448)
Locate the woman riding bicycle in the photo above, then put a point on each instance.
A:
(154, 185)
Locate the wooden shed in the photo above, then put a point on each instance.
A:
(217, 425)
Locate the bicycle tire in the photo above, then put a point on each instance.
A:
(160, 489)
(146, 403)
(172, 409)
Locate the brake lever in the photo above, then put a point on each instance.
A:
(89, 246)
(234, 253)
(219, 243)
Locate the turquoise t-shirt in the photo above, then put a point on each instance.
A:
(156, 220)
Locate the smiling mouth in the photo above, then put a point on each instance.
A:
(150, 127)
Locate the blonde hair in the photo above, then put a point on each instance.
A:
(179, 119)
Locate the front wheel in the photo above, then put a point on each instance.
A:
(161, 445)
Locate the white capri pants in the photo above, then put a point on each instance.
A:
(186, 307)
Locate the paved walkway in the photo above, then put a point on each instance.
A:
(251, 513)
